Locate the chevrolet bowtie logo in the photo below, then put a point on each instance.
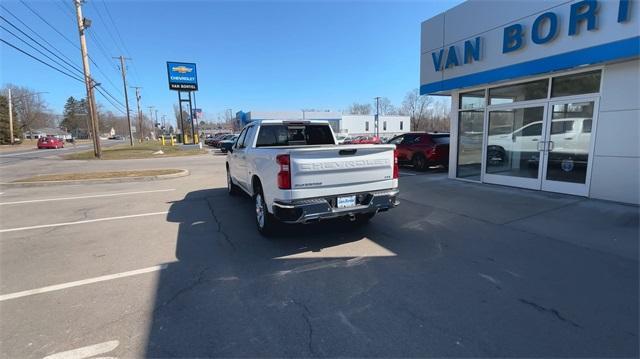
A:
(181, 69)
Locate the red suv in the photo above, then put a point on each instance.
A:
(364, 140)
(50, 142)
(422, 149)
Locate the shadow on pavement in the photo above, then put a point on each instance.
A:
(417, 281)
(232, 292)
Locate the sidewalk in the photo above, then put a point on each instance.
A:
(604, 226)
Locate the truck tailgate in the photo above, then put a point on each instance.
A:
(341, 169)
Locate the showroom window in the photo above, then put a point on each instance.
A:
(576, 84)
(470, 133)
(534, 90)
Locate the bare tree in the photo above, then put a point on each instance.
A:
(426, 113)
(185, 118)
(385, 107)
(31, 109)
(360, 109)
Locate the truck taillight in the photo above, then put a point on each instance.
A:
(396, 170)
(284, 176)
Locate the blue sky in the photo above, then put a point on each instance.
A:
(259, 55)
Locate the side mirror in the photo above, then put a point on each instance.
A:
(513, 137)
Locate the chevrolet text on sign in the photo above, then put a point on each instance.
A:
(182, 76)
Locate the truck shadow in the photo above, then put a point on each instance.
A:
(232, 292)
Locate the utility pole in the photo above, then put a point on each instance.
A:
(10, 118)
(377, 115)
(83, 24)
(139, 112)
(126, 95)
(151, 114)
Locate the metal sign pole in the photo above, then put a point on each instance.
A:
(181, 121)
(195, 108)
(193, 130)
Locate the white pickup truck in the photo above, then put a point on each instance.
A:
(296, 173)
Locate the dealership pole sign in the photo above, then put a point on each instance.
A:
(182, 76)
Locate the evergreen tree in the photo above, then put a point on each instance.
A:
(5, 137)
(75, 116)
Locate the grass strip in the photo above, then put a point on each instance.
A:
(97, 175)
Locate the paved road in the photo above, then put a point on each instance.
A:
(176, 268)
(22, 155)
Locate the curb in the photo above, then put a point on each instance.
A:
(182, 173)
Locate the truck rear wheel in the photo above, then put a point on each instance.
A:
(264, 220)
(232, 189)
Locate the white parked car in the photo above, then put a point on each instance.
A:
(296, 173)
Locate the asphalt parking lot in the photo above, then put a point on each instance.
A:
(176, 268)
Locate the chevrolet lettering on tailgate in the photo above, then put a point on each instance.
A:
(378, 162)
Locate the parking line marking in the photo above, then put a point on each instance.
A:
(84, 197)
(78, 283)
(82, 222)
(86, 352)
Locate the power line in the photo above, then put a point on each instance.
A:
(63, 9)
(41, 61)
(33, 31)
(35, 48)
(103, 52)
(106, 26)
(47, 22)
(44, 47)
(106, 94)
(56, 30)
(124, 45)
(35, 41)
(69, 7)
(100, 89)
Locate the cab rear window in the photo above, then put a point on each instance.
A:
(294, 135)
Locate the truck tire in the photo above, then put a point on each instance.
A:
(232, 189)
(264, 220)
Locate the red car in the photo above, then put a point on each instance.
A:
(422, 149)
(364, 140)
(50, 142)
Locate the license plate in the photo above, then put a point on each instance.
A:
(347, 201)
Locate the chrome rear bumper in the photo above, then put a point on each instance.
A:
(309, 210)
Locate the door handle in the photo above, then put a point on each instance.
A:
(550, 146)
(535, 139)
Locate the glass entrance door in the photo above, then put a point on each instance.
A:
(515, 146)
(568, 146)
(544, 146)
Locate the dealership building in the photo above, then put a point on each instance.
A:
(353, 125)
(544, 94)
